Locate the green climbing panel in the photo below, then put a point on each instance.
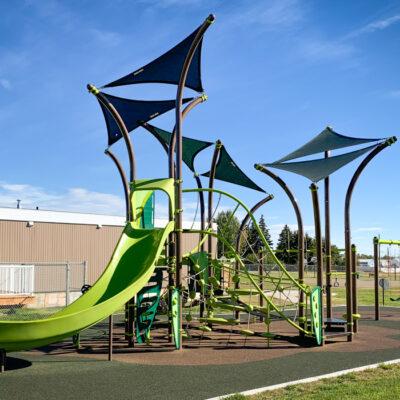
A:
(316, 313)
(176, 320)
(199, 265)
(148, 300)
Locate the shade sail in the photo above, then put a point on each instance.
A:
(227, 171)
(132, 113)
(167, 68)
(190, 147)
(315, 170)
(328, 139)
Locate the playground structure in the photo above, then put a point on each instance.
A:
(390, 271)
(202, 288)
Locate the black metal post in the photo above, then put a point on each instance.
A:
(239, 236)
(121, 126)
(110, 337)
(125, 184)
(3, 358)
(347, 229)
(354, 287)
(300, 234)
(318, 244)
(214, 161)
(328, 252)
(178, 134)
(376, 277)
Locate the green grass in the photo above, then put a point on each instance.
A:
(382, 383)
(366, 297)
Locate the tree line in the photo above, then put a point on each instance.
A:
(286, 248)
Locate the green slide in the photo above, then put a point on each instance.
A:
(129, 269)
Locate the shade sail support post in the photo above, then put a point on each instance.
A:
(121, 126)
(124, 180)
(178, 134)
(300, 233)
(318, 245)
(328, 250)
(347, 230)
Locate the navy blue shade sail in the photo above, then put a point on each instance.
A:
(328, 139)
(133, 112)
(190, 147)
(315, 170)
(167, 68)
(227, 171)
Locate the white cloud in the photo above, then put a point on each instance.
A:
(74, 199)
(394, 93)
(324, 50)
(374, 26)
(5, 83)
(106, 38)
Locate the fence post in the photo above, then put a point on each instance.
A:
(84, 272)
(67, 283)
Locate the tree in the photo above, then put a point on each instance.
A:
(265, 230)
(228, 228)
(284, 246)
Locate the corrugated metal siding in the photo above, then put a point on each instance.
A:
(54, 242)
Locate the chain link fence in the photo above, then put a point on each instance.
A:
(38, 290)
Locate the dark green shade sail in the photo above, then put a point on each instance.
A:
(191, 147)
(315, 170)
(132, 113)
(227, 171)
(167, 68)
(328, 139)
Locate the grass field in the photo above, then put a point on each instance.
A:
(382, 383)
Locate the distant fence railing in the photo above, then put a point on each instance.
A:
(42, 278)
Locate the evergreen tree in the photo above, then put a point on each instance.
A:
(283, 245)
(228, 228)
(265, 230)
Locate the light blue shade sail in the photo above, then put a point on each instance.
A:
(315, 170)
(227, 171)
(328, 139)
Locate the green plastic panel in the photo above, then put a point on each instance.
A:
(147, 303)
(316, 313)
(176, 317)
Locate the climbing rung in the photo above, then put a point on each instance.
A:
(205, 328)
(221, 321)
(230, 307)
(246, 332)
(243, 292)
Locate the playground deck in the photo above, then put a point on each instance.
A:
(205, 370)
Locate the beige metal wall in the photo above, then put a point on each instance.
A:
(54, 242)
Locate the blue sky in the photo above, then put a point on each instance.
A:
(276, 73)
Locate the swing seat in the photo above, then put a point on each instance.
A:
(393, 299)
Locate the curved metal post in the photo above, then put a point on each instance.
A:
(247, 217)
(214, 162)
(125, 185)
(300, 232)
(376, 277)
(121, 125)
(354, 286)
(171, 174)
(178, 134)
(318, 244)
(347, 229)
(328, 252)
(239, 235)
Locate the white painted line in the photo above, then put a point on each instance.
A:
(308, 380)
